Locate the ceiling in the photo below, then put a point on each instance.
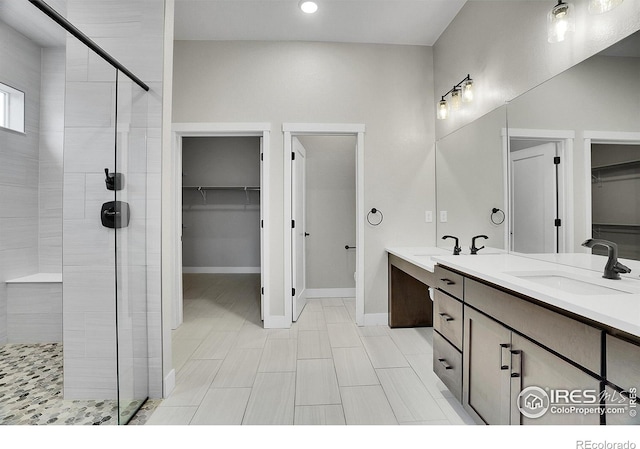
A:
(407, 22)
(25, 18)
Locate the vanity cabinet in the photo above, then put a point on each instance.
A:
(409, 302)
(447, 325)
(499, 364)
(623, 379)
(507, 343)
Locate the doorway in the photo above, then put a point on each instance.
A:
(330, 245)
(250, 196)
(539, 170)
(612, 168)
(324, 203)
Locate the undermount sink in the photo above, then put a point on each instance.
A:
(570, 283)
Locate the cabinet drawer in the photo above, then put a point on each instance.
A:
(449, 282)
(571, 338)
(447, 318)
(623, 363)
(615, 400)
(447, 364)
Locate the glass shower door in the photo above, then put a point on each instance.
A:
(130, 196)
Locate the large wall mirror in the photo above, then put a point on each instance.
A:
(567, 168)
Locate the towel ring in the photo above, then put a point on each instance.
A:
(494, 211)
(374, 211)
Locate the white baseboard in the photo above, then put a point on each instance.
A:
(330, 293)
(222, 270)
(169, 383)
(376, 319)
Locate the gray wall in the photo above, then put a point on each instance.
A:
(224, 230)
(21, 69)
(330, 211)
(387, 87)
(503, 46)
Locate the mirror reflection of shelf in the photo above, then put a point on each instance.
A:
(203, 190)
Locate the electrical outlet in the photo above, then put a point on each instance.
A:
(443, 216)
(428, 216)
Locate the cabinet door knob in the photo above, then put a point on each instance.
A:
(517, 353)
(447, 281)
(446, 317)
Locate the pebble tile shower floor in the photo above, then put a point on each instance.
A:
(31, 391)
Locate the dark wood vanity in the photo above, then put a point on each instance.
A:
(409, 302)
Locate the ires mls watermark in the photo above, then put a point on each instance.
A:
(534, 402)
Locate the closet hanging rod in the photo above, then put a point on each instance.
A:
(68, 26)
(242, 188)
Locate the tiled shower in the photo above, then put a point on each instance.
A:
(82, 294)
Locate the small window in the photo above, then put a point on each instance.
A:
(11, 108)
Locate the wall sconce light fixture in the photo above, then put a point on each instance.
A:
(601, 6)
(460, 93)
(560, 21)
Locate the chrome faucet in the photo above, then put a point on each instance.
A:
(473, 248)
(613, 268)
(456, 248)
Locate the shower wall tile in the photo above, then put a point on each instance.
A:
(18, 170)
(18, 233)
(100, 338)
(19, 201)
(88, 149)
(77, 60)
(90, 378)
(89, 289)
(34, 313)
(89, 104)
(132, 32)
(73, 335)
(34, 328)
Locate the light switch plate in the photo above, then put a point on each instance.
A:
(428, 216)
(443, 216)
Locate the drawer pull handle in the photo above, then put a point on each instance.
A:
(445, 364)
(518, 353)
(447, 281)
(503, 346)
(446, 317)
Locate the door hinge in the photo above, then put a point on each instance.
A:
(293, 224)
(262, 156)
(558, 222)
(293, 292)
(261, 223)
(556, 160)
(293, 156)
(262, 290)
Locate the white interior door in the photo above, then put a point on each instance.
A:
(262, 261)
(534, 199)
(298, 247)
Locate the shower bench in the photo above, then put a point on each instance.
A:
(34, 309)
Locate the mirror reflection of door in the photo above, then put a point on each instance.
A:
(534, 197)
(615, 193)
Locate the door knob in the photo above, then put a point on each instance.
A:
(306, 234)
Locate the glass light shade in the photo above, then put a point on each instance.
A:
(601, 6)
(442, 110)
(456, 99)
(467, 91)
(308, 7)
(560, 22)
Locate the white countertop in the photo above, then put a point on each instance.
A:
(615, 309)
(420, 256)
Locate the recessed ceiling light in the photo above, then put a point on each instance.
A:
(308, 6)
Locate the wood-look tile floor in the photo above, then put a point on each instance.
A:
(323, 370)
